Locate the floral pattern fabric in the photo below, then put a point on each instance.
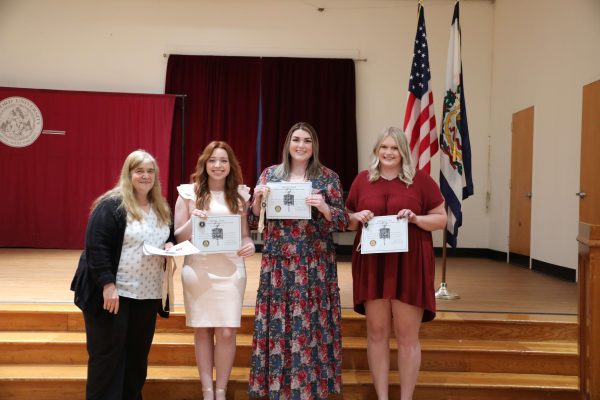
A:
(297, 344)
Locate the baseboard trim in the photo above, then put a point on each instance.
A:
(471, 253)
(554, 270)
(518, 259)
(345, 251)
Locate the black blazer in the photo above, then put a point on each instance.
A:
(99, 261)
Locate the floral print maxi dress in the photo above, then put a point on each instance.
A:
(297, 344)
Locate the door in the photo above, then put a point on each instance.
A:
(519, 241)
(589, 175)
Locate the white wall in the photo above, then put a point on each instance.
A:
(118, 45)
(544, 52)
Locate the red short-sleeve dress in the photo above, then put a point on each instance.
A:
(408, 277)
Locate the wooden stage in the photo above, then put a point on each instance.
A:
(485, 286)
(511, 335)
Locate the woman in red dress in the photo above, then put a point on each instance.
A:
(395, 289)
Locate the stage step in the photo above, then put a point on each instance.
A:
(64, 347)
(465, 356)
(467, 326)
(67, 382)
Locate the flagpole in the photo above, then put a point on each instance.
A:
(443, 293)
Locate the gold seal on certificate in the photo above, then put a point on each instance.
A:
(217, 234)
(287, 200)
(386, 234)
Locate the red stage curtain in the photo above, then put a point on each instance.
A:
(50, 184)
(221, 103)
(223, 99)
(318, 91)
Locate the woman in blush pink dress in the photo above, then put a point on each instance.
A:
(214, 284)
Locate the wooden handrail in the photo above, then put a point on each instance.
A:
(589, 311)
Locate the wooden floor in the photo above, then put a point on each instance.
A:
(485, 286)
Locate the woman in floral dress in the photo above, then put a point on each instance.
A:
(297, 344)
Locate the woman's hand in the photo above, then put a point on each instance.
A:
(246, 250)
(200, 213)
(357, 218)
(260, 191)
(317, 201)
(362, 217)
(168, 245)
(434, 219)
(409, 215)
(111, 298)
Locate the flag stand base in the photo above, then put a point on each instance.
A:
(444, 294)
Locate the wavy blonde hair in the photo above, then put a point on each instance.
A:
(125, 193)
(233, 199)
(407, 172)
(314, 168)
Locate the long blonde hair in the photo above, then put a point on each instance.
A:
(407, 173)
(124, 191)
(314, 168)
(233, 199)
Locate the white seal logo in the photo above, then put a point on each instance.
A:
(20, 121)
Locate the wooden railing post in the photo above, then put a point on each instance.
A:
(589, 311)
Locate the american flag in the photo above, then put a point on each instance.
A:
(419, 119)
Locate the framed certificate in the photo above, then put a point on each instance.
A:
(287, 200)
(218, 234)
(386, 234)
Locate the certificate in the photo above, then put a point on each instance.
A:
(287, 200)
(386, 234)
(218, 234)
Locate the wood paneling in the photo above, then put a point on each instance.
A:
(589, 310)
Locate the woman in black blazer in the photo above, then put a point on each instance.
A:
(117, 286)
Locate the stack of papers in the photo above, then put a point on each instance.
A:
(182, 249)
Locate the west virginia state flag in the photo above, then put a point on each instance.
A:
(456, 181)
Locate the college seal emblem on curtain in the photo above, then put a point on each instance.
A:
(20, 121)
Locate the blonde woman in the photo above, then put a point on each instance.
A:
(116, 285)
(395, 290)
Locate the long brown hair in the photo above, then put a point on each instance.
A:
(314, 168)
(124, 192)
(200, 179)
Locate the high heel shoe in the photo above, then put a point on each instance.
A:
(221, 394)
(208, 394)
